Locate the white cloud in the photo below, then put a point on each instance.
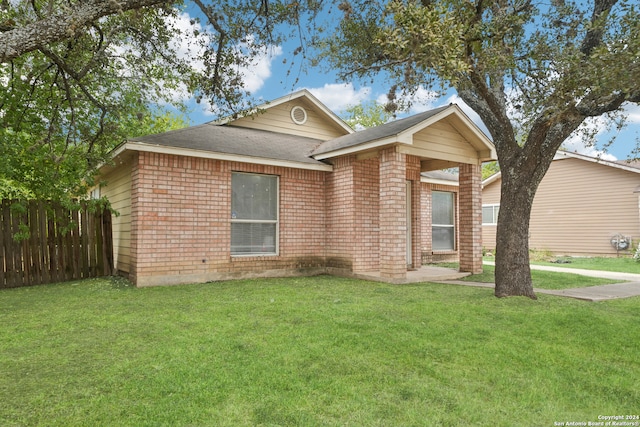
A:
(186, 44)
(633, 111)
(260, 69)
(596, 126)
(339, 96)
(455, 99)
(191, 47)
(422, 100)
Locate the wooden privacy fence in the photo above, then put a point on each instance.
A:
(42, 242)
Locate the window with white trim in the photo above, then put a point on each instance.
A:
(490, 214)
(254, 214)
(443, 233)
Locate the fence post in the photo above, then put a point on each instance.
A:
(107, 242)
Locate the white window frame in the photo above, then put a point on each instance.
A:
(258, 221)
(452, 226)
(94, 194)
(494, 215)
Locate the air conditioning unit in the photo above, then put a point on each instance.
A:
(620, 242)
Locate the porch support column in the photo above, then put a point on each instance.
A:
(393, 215)
(470, 214)
(413, 175)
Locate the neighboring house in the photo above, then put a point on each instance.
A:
(581, 204)
(292, 190)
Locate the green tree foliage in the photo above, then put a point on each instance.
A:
(67, 103)
(533, 71)
(489, 169)
(79, 76)
(366, 115)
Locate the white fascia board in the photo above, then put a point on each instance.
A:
(492, 178)
(152, 148)
(119, 150)
(326, 110)
(114, 153)
(564, 154)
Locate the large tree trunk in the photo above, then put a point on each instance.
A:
(513, 274)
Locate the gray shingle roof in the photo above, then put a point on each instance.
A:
(238, 141)
(376, 133)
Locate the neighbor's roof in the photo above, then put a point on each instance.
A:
(232, 143)
(376, 133)
(439, 177)
(628, 165)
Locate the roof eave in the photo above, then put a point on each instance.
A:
(564, 154)
(179, 151)
(366, 146)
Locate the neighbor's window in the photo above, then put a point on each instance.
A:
(254, 214)
(490, 214)
(443, 221)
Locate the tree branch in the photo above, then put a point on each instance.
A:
(593, 38)
(213, 17)
(62, 24)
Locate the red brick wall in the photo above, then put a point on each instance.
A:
(393, 221)
(366, 244)
(181, 220)
(470, 222)
(352, 214)
(413, 175)
(340, 212)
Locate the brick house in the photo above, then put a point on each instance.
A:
(293, 190)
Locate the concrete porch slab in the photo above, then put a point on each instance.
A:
(423, 274)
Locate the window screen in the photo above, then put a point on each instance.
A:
(490, 214)
(254, 214)
(443, 221)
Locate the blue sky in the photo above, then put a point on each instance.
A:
(267, 79)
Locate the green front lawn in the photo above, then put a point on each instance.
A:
(320, 351)
(541, 279)
(623, 264)
(545, 279)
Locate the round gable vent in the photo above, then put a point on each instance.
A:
(298, 115)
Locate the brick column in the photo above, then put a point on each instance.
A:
(413, 175)
(393, 221)
(426, 220)
(470, 214)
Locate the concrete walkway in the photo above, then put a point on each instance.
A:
(631, 288)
